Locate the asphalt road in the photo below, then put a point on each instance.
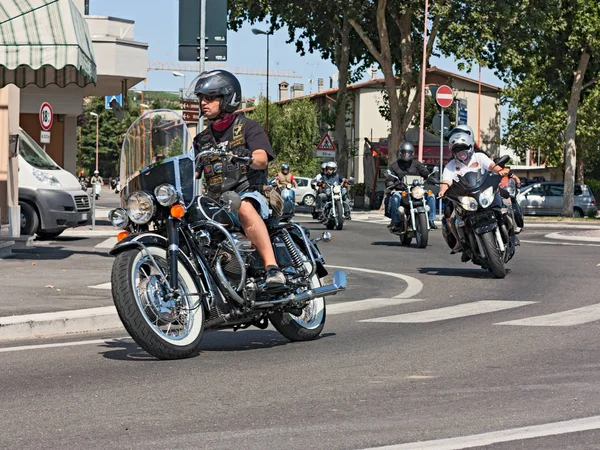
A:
(464, 355)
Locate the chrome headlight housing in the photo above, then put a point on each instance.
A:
(417, 192)
(118, 218)
(468, 203)
(165, 194)
(486, 197)
(337, 189)
(140, 207)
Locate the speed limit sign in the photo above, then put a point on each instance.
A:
(46, 117)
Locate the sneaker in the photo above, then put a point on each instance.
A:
(432, 225)
(275, 278)
(456, 249)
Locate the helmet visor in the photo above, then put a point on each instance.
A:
(462, 152)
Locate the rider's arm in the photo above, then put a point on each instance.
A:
(422, 170)
(494, 168)
(258, 143)
(261, 159)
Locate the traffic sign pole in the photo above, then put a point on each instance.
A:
(441, 155)
(202, 55)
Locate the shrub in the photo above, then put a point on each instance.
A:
(592, 213)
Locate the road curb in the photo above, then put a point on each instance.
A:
(61, 323)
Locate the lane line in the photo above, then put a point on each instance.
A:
(368, 303)
(559, 243)
(414, 285)
(494, 437)
(451, 312)
(561, 236)
(575, 316)
(63, 344)
(101, 286)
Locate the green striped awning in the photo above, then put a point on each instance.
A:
(44, 42)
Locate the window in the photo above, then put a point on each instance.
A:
(578, 190)
(537, 190)
(33, 154)
(556, 190)
(302, 182)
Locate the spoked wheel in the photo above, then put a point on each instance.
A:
(308, 325)
(166, 328)
(308, 200)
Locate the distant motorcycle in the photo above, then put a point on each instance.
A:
(483, 223)
(413, 211)
(336, 209)
(289, 199)
(96, 189)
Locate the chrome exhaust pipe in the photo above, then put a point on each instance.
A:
(339, 284)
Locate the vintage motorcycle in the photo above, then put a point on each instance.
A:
(413, 211)
(483, 222)
(182, 263)
(336, 209)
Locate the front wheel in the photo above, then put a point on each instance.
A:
(422, 231)
(494, 257)
(166, 328)
(308, 325)
(308, 200)
(339, 211)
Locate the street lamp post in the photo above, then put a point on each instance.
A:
(97, 119)
(179, 74)
(257, 31)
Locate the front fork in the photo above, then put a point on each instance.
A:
(413, 219)
(173, 252)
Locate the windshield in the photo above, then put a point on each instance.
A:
(33, 153)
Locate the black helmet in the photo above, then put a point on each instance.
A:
(222, 83)
(406, 151)
(285, 167)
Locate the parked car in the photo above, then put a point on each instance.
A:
(305, 194)
(546, 199)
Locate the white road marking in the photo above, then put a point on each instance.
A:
(108, 243)
(451, 312)
(101, 286)
(572, 238)
(559, 243)
(571, 317)
(494, 437)
(63, 344)
(414, 285)
(368, 303)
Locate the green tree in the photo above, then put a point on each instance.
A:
(293, 134)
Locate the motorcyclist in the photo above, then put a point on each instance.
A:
(330, 177)
(465, 160)
(405, 165)
(97, 178)
(220, 95)
(284, 177)
(515, 181)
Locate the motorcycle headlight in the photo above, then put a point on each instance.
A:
(165, 195)
(328, 191)
(486, 197)
(140, 207)
(468, 203)
(46, 178)
(118, 218)
(418, 192)
(337, 190)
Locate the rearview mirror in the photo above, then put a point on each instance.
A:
(436, 169)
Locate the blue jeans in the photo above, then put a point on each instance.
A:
(394, 204)
(260, 203)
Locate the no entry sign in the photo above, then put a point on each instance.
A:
(444, 96)
(46, 118)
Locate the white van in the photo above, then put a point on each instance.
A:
(51, 199)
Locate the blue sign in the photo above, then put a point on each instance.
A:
(462, 116)
(110, 98)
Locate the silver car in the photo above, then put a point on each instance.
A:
(546, 199)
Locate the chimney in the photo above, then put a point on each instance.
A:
(319, 84)
(335, 79)
(373, 72)
(283, 90)
(297, 90)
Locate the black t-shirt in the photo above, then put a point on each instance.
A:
(241, 138)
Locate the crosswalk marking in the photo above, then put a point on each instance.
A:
(576, 316)
(451, 312)
(368, 303)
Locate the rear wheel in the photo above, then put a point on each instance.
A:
(29, 219)
(164, 327)
(422, 231)
(308, 325)
(494, 257)
(577, 212)
(406, 239)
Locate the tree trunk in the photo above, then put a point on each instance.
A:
(570, 133)
(580, 170)
(342, 60)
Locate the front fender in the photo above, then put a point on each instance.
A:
(143, 238)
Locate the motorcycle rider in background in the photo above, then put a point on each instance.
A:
(220, 95)
(405, 165)
(465, 160)
(329, 177)
(285, 177)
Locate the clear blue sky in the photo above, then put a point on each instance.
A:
(156, 23)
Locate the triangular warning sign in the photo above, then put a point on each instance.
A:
(326, 143)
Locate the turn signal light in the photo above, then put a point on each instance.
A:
(429, 192)
(122, 235)
(404, 194)
(177, 211)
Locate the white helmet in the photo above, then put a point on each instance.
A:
(331, 165)
(461, 128)
(461, 145)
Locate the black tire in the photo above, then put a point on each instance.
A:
(577, 212)
(137, 323)
(339, 211)
(494, 257)
(330, 225)
(422, 231)
(308, 200)
(292, 328)
(30, 221)
(48, 234)
(406, 239)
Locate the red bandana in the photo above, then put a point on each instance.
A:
(223, 122)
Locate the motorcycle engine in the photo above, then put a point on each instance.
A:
(231, 266)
